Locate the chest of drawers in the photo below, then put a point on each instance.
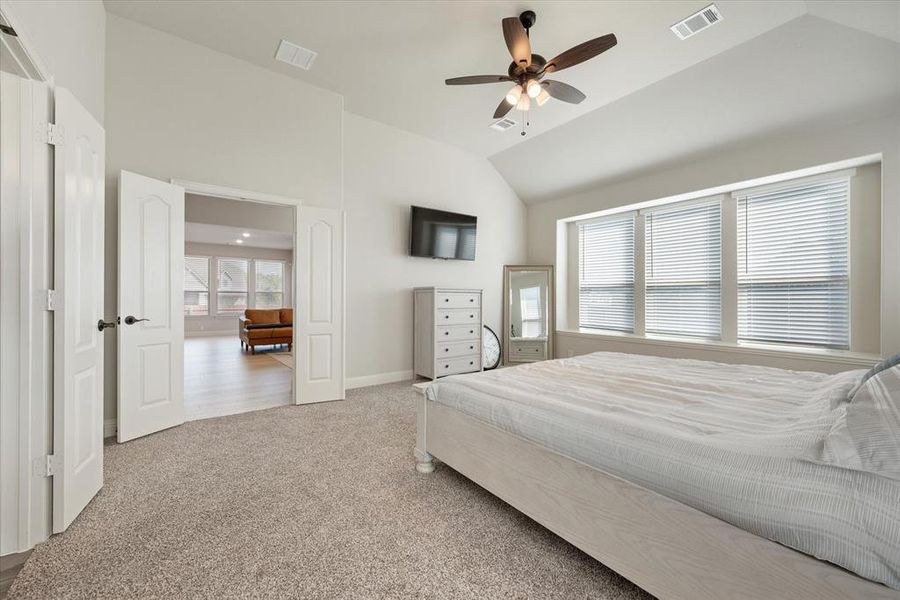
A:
(447, 336)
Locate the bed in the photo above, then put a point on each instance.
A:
(690, 478)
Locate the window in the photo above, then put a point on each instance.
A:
(530, 307)
(606, 273)
(196, 285)
(269, 292)
(231, 293)
(793, 276)
(683, 269)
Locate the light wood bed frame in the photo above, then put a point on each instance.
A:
(668, 548)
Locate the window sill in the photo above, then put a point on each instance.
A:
(843, 357)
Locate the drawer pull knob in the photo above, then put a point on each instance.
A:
(471, 299)
(446, 299)
(446, 349)
(471, 316)
(471, 362)
(471, 331)
(446, 366)
(446, 316)
(446, 333)
(471, 347)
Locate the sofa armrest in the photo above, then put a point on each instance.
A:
(243, 322)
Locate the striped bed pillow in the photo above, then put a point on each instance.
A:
(866, 437)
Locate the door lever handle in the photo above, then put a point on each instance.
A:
(101, 324)
(129, 320)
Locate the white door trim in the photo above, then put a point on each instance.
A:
(229, 193)
(27, 280)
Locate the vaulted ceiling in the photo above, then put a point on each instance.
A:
(389, 61)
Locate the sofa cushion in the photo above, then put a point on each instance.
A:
(261, 316)
(287, 316)
(283, 332)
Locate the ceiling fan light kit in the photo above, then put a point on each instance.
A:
(528, 70)
(513, 95)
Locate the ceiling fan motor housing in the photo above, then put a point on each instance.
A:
(537, 63)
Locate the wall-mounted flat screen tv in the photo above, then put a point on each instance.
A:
(441, 234)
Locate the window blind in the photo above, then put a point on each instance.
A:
(606, 273)
(196, 285)
(793, 276)
(232, 285)
(269, 291)
(683, 269)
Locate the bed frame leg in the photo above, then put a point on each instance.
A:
(424, 461)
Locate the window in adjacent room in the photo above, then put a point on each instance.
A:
(793, 275)
(232, 293)
(196, 285)
(606, 273)
(269, 291)
(530, 306)
(683, 269)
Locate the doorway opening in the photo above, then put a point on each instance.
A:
(238, 305)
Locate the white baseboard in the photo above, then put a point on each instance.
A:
(378, 379)
(230, 332)
(110, 427)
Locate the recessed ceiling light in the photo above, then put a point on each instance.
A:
(245, 234)
(238, 241)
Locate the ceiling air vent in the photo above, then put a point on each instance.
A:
(295, 55)
(503, 124)
(697, 22)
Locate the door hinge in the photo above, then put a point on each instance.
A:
(51, 300)
(46, 466)
(56, 134)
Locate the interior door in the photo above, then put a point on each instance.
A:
(319, 323)
(151, 324)
(78, 279)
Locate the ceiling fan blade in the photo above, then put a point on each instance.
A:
(581, 53)
(503, 108)
(563, 91)
(517, 41)
(473, 79)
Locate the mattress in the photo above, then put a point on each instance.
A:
(728, 440)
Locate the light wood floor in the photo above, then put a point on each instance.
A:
(220, 379)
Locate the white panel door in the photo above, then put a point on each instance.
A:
(151, 323)
(319, 329)
(78, 279)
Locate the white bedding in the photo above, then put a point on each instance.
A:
(725, 439)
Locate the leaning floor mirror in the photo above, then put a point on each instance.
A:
(527, 313)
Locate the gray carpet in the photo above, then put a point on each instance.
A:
(318, 501)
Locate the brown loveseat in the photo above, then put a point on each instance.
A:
(266, 327)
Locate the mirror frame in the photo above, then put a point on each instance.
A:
(551, 307)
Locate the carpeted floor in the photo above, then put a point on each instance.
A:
(318, 501)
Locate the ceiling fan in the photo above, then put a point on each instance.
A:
(528, 70)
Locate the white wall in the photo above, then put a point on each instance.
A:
(741, 162)
(177, 109)
(237, 213)
(386, 171)
(214, 324)
(69, 39)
